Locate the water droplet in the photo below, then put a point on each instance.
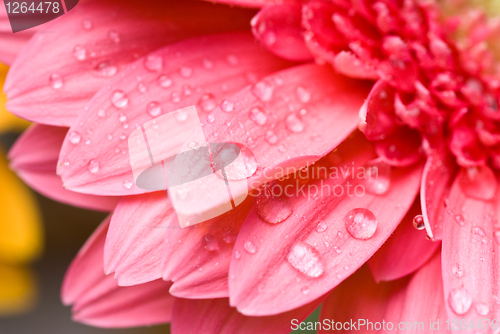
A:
(258, 116)
(105, 69)
(101, 113)
(418, 222)
(250, 247)
(122, 117)
(181, 116)
(56, 81)
(241, 169)
(93, 166)
(207, 102)
(377, 177)
(459, 219)
(212, 244)
(478, 231)
(109, 136)
(114, 36)
(80, 53)
(360, 223)
(175, 97)
(74, 137)
(237, 255)
(164, 81)
(459, 300)
(478, 182)
(227, 105)
(304, 290)
(153, 63)
(304, 95)
(154, 108)
(186, 71)
(455, 270)
(141, 87)
(119, 99)
(273, 210)
(321, 227)
(210, 118)
(306, 260)
(127, 184)
(271, 137)
(294, 124)
(482, 309)
(66, 162)
(232, 59)
(497, 237)
(87, 24)
(263, 91)
(229, 238)
(194, 145)
(208, 64)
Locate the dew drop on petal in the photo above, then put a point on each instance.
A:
(105, 69)
(227, 105)
(101, 113)
(74, 137)
(306, 259)
(418, 222)
(127, 184)
(459, 300)
(263, 91)
(207, 102)
(153, 63)
(321, 226)
(208, 64)
(114, 36)
(154, 109)
(477, 230)
(175, 97)
(304, 290)
(141, 87)
(181, 116)
(210, 118)
(377, 177)
(478, 182)
(273, 210)
(294, 123)
(459, 219)
(93, 166)
(271, 137)
(87, 24)
(56, 81)
(241, 168)
(360, 223)
(79, 52)
(250, 247)
(186, 71)
(258, 115)
(497, 237)
(455, 270)
(164, 81)
(482, 309)
(237, 255)
(303, 95)
(119, 99)
(212, 244)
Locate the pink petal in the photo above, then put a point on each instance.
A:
(11, 44)
(99, 301)
(439, 173)
(216, 316)
(395, 259)
(417, 300)
(34, 158)
(197, 258)
(470, 256)
(347, 63)
(93, 46)
(278, 29)
(212, 68)
(267, 255)
(133, 249)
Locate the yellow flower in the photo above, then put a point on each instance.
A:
(20, 227)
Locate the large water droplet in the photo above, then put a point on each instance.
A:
(93, 166)
(477, 230)
(306, 260)
(119, 99)
(258, 116)
(377, 177)
(459, 219)
(263, 91)
(294, 124)
(227, 105)
(303, 95)
(242, 168)
(207, 102)
(153, 63)
(360, 223)
(478, 182)
(321, 227)
(250, 247)
(74, 137)
(459, 300)
(56, 81)
(482, 309)
(154, 108)
(418, 222)
(80, 53)
(164, 81)
(105, 69)
(273, 210)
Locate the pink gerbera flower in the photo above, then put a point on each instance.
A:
(422, 88)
